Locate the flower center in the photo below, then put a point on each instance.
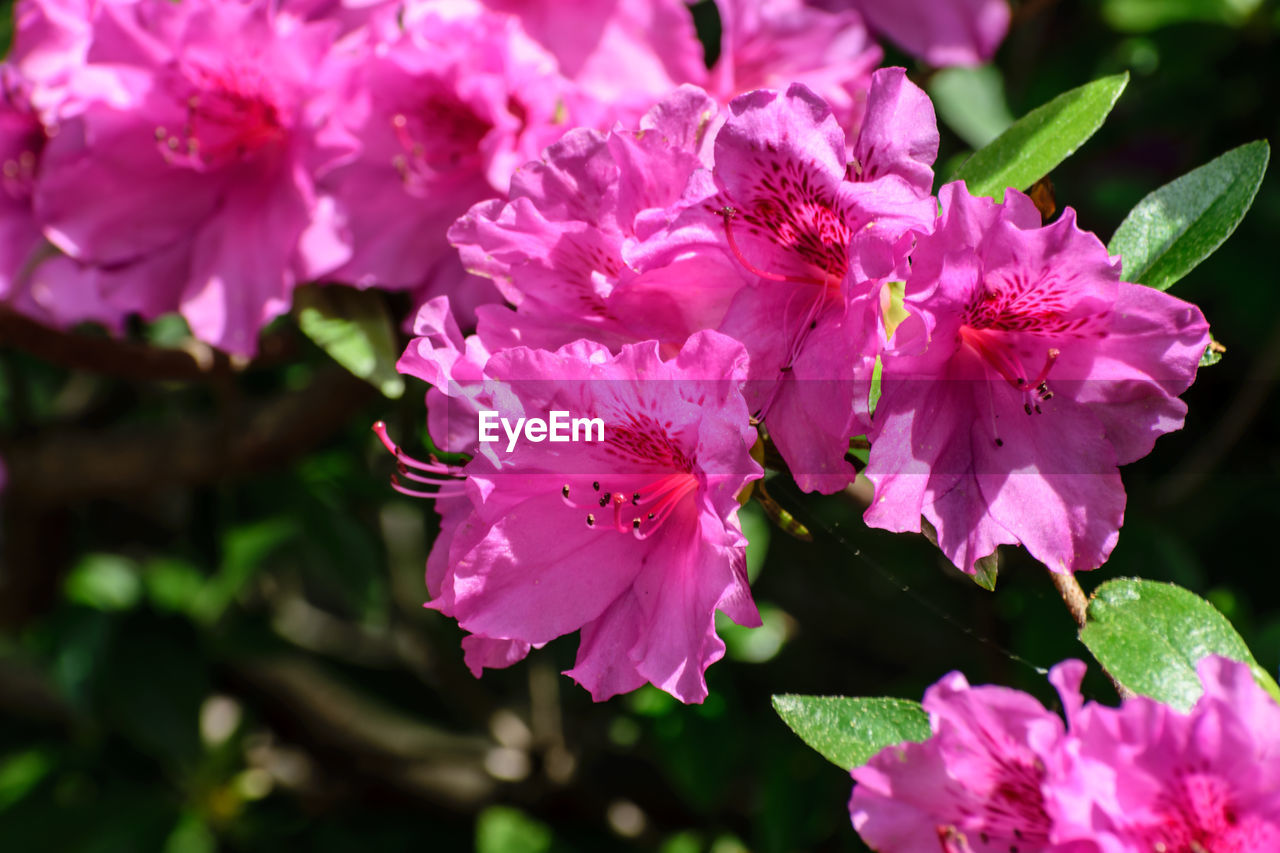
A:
(438, 138)
(24, 140)
(810, 232)
(996, 351)
(231, 115)
(1199, 815)
(638, 501)
(627, 507)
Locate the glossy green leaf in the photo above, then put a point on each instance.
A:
(1179, 225)
(848, 731)
(354, 328)
(1036, 143)
(1151, 635)
(971, 102)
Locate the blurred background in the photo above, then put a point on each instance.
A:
(211, 624)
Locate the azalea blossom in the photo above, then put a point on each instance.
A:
(451, 99)
(195, 129)
(769, 44)
(35, 278)
(977, 784)
(1146, 777)
(633, 539)
(623, 54)
(1025, 375)
(1000, 772)
(812, 229)
(941, 32)
(555, 249)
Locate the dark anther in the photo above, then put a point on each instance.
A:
(591, 520)
(651, 516)
(635, 524)
(565, 491)
(596, 485)
(635, 499)
(604, 500)
(999, 442)
(1026, 407)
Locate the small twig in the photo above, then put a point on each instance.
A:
(128, 359)
(61, 467)
(1072, 595)
(1078, 605)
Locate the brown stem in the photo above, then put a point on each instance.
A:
(1072, 595)
(115, 357)
(1078, 605)
(61, 467)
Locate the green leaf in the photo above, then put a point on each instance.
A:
(971, 101)
(849, 731)
(1179, 225)
(1212, 353)
(1137, 16)
(1040, 140)
(354, 328)
(502, 829)
(987, 569)
(104, 581)
(1151, 635)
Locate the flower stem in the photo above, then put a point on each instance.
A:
(1078, 606)
(1072, 595)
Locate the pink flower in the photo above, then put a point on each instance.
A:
(1000, 772)
(977, 785)
(1146, 777)
(633, 539)
(623, 54)
(809, 230)
(1025, 375)
(196, 130)
(454, 98)
(768, 44)
(941, 32)
(555, 250)
(35, 279)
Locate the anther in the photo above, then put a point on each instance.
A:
(999, 442)
(651, 516)
(635, 524)
(565, 491)
(591, 520)
(596, 485)
(604, 500)
(635, 499)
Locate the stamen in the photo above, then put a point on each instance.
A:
(414, 493)
(435, 473)
(730, 213)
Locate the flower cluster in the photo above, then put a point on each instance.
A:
(206, 157)
(1002, 773)
(1015, 371)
